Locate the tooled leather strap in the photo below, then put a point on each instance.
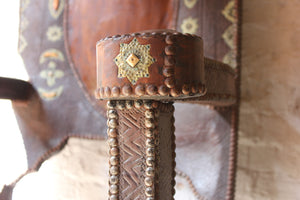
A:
(170, 66)
(141, 74)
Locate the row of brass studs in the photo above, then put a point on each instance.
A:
(112, 132)
(151, 115)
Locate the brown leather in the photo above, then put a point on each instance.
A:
(137, 177)
(88, 21)
(77, 106)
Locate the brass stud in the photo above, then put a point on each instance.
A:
(129, 104)
(121, 105)
(185, 89)
(114, 160)
(140, 90)
(112, 123)
(170, 39)
(112, 132)
(113, 197)
(150, 143)
(149, 123)
(111, 104)
(170, 82)
(148, 181)
(113, 180)
(149, 192)
(149, 114)
(150, 161)
(107, 91)
(126, 90)
(175, 92)
(170, 50)
(150, 171)
(150, 151)
(195, 88)
(148, 105)
(115, 91)
(101, 91)
(163, 90)
(151, 89)
(169, 61)
(168, 71)
(113, 142)
(138, 103)
(113, 189)
(114, 151)
(112, 114)
(114, 170)
(149, 133)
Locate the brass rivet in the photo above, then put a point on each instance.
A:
(113, 180)
(149, 114)
(113, 197)
(111, 104)
(150, 161)
(129, 104)
(149, 123)
(113, 142)
(121, 105)
(114, 151)
(114, 170)
(150, 171)
(168, 71)
(150, 143)
(115, 91)
(150, 151)
(170, 50)
(114, 160)
(112, 123)
(127, 90)
(138, 103)
(113, 189)
(175, 92)
(149, 133)
(170, 82)
(163, 90)
(107, 91)
(112, 132)
(185, 89)
(140, 90)
(149, 191)
(148, 105)
(151, 89)
(169, 61)
(148, 181)
(112, 114)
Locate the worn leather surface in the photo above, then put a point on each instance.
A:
(72, 112)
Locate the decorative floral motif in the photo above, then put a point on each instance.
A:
(54, 33)
(190, 3)
(51, 75)
(229, 11)
(133, 61)
(189, 25)
(56, 7)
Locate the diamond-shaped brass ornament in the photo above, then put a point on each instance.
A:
(133, 61)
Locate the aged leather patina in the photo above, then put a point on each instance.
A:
(58, 50)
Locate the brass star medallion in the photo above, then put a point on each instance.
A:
(133, 61)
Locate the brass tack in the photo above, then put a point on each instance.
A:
(107, 91)
(129, 104)
(140, 90)
(113, 142)
(168, 71)
(151, 89)
(186, 89)
(114, 151)
(150, 151)
(113, 189)
(150, 161)
(112, 114)
(170, 39)
(101, 91)
(113, 197)
(150, 171)
(163, 90)
(126, 90)
(111, 104)
(149, 133)
(112, 123)
(138, 103)
(114, 170)
(121, 105)
(148, 181)
(148, 104)
(149, 123)
(113, 180)
(112, 132)
(149, 114)
(169, 61)
(170, 50)
(170, 82)
(114, 160)
(175, 92)
(115, 91)
(195, 88)
(149, 192)
(150, 143)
